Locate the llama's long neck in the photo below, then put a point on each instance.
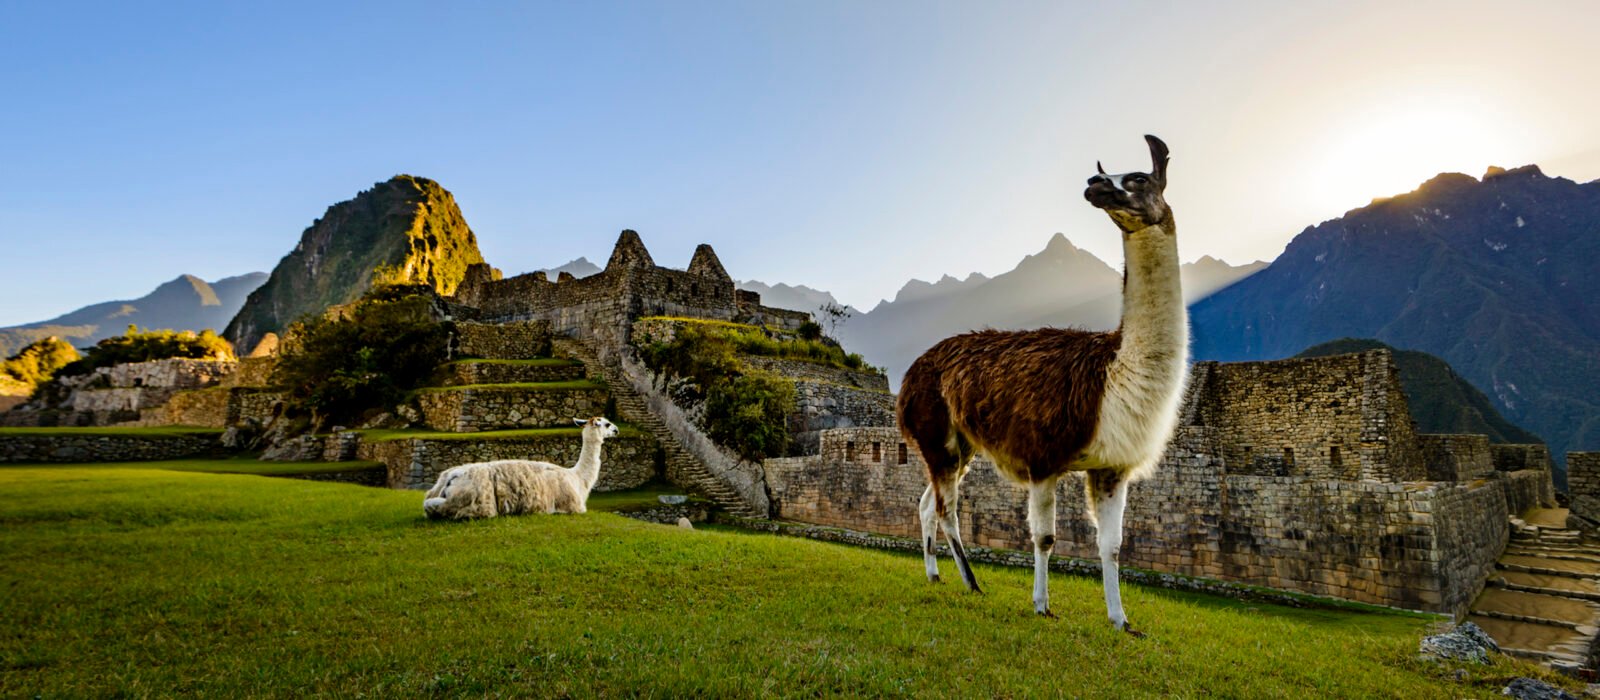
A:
(1155, 324)
(588, 466)
(1144, 384)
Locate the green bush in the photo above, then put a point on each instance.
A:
(144, 346)
(745, 410)
(39, 361)
(339, 369)
(750, 414)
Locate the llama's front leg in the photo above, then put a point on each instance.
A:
(930, 531)
(1042, 526)
(1108, 494)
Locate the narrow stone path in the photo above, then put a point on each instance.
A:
(1544, 602)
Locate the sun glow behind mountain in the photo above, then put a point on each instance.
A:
(1387, 147)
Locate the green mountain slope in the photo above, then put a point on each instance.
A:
(409, 227)
(1441, 401)
(187, 303)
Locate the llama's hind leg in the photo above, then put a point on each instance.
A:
(1042, 527)
(1108, 495)
(930, 533)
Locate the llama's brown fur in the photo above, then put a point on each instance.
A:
(1028, 399)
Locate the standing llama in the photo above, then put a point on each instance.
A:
(516, 486)
(1046, 402)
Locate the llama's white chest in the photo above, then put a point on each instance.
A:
(1144, 388)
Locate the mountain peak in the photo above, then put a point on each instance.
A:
(407, 229)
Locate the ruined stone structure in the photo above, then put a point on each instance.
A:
(601, 308)
(1302, 475)
(118, 394)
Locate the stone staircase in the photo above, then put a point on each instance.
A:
(681, 464)
(1544, 602)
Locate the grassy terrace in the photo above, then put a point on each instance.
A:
(574, 385)
(138, 581)
(153, 432)
(409, 434)
(540, 362)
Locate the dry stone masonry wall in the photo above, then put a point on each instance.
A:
(1362, 523)
(500, 407)
(515, 340)
(69, 447)
(415, 463)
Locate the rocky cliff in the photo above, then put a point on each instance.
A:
(405, 230)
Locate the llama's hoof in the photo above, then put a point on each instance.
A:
(1136, 634)
(1045, 613)
(975, 589)
(934, 579)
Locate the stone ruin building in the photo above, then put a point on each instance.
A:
(1299, 475)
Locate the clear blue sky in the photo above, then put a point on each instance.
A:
(849, 146)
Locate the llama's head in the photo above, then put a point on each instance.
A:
(596, 427)
(1134, 200)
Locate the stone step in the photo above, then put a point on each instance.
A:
(479, 407)
(467, 372)
(1542, 565)
(1536, 641)
(1559, 585)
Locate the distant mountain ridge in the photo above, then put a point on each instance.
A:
(1061, 285)
(1495, 276)
(406, 229)
(1440, 400)
(184, 303)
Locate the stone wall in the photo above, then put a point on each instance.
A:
(515, 340)
(822, 406)
(206, 408)
(1367, 541)
(813, 371)
(79, 447)
(496, 407)
(1526, 490)
(626, 462)
(259, 405)
(252, 372)
(1341, 417)
(1456, 457)
(1583, 484)
(471, 372)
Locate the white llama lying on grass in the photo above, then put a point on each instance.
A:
(517, 486)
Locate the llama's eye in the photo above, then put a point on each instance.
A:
(1137, 179)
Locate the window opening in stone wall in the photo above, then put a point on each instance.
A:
(903, 453)
(669, 286)
(849, 451)
(694, 289)
(877, 452)
(1334, 458)
(1288, 456)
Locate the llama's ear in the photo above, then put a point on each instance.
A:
(579, 421)
(1099, 167)
(1158, 157)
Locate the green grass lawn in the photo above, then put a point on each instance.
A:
(140, 581)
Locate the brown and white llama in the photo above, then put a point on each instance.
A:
(1047, 402)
